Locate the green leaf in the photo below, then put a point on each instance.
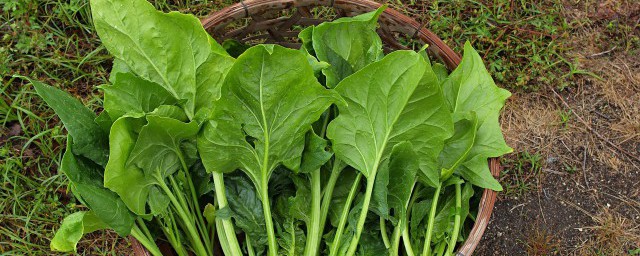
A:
(340, 194)
(246, 208)
(371, 244)
(72, 229)
(470, 88)
(209, 213)
(89, 138)
(348, 44)
(159, 145)
(170, 49)
(441, 71)
(457, 147)
(270, 99)
(476, 170)
(443, 223)
(131, 94)
(403, 168)
(384, 110)
(128, 181)
(292, 239)
(394, 183)
(86, 178)
(315, 153)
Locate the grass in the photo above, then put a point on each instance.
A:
(525, 44)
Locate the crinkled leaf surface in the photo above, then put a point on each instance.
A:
(383, 111)
(348, 44)
(131, 94)
(269, 100)
(170, 49)
(315, 153)
(72, 228)
(89, 138)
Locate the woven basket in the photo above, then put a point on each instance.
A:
(274, 21)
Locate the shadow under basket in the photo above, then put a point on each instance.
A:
(280, 21)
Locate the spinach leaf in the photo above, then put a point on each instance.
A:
(72, 229)
(246, 209)
(169, 49)
(134, 95)
(348, 44)
(90, 140)
(86, 178)
(269, 100)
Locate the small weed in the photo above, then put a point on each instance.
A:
(519, 172)
(541, 242)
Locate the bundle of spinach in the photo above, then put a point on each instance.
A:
(335, 148)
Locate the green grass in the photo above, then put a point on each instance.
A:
(54, 41)
(520, 173)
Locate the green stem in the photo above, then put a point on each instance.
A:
(395, 242)
(456, 220)
(383, 233)
(314, 232)
(250, 250)
(195, 238)
(170, 233)
(353, 246)
(143, 227)
(266, 208)
(426, 250)
(149, 244)
(328, 192)
(407, 241)
(440, 248)
(335, 245)
(198, 212)
(226, 230)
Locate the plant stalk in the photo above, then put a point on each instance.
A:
(335, 245)
(456, 221)
(147, 242)
(314, 232)
(353, 246)
(426, 250)
(226, 230)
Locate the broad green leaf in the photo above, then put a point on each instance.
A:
(476, 171)
(104, 121)
(118, 67)
(159, 145)
(457, 148)
(86, 178)
(441, 71)
(269, 100)
(246, 208)
(131, 94)
(128, 181)
(300, 205)
(384, 110)
(209, 213)
(347, 44)
(170, 49)
(371, 244)
(403, 168)
(315, 153)
(394, 182)
(446, 210)
(72, 229)
(470, 88)
(292, 238)
(340, 194)
(89, 138)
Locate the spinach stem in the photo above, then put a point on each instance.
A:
(353, 246)
(335, 245)
(383, 233)
(456, 221)
(143, 227)
(402, 223)
(406, 241)
(146, 241)
(426, 250)
(196, 206)
(314, 232)
(266, 208)
(328, 192)
(226, 230)
(187, 221)
(250, 250)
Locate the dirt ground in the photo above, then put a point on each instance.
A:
(585, 198)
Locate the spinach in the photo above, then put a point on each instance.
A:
(334, 148)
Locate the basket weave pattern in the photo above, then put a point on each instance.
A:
(279, 22)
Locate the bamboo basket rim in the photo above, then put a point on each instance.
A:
(391, 21)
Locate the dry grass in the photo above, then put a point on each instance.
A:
(613, 234)
(541, 242)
